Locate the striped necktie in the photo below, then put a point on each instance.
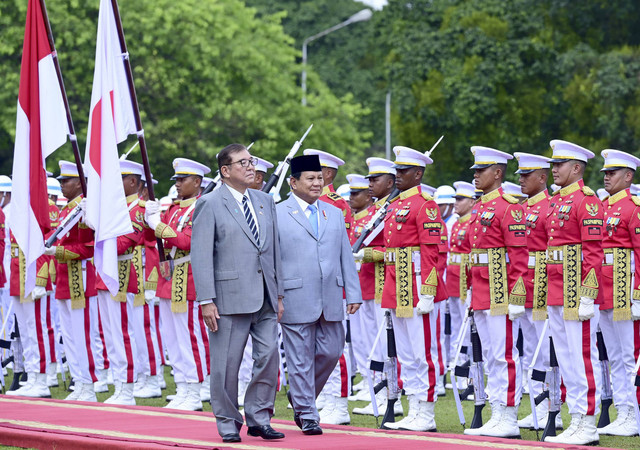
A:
(252, 223)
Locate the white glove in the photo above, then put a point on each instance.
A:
(149, 296)
(586, 310)
(151, 207)
(83, 205)
(153, 220)
(51, 251)
(425, 305)
(358, 257)
(38, 292)
(635, 310)
(515, 312)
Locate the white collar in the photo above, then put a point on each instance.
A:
(303, 204)
(237, 195)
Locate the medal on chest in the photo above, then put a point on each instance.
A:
(531, 220)
(612, 224)
(485, 219)
(401, 214)
(563, 213)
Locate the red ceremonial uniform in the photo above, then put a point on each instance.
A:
(329, 196)
(497, 221)
(535, 213)
(3, 275)
(458, 252)
(443, 250)
(367, 270)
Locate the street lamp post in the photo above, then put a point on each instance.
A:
(360, 16)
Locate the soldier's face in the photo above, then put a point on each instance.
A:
(561, 172)
(308, 187)
(408, 178)
(188, 187)
(617, 180)
(381, 185)
(463, 205)
(533, 182)
(359, 199)
(484, 178)
(71, 187)
(257, 180)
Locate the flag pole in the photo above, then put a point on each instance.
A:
(136, 112)
(72, 132)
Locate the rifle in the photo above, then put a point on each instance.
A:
(555, 402)
(67, 224)
(375, 366)
(606, 398)
(352, 356)
(537, 375)
(391, 371)
(454, 367)
(283, 166)
(447, 335)
(375, 221)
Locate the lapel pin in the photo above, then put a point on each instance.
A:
(324, 213)
(295, 212)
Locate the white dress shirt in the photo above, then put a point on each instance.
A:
(304, 206)
(238, 197)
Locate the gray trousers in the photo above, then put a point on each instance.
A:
(312, 350)
(226, 349)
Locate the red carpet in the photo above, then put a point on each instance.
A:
(51, 424)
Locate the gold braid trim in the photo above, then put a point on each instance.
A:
(571, 276)
(622, 284)
(76, 284)
(43, 275)
(589, 286)
(464, 264)
(498, 281)
(636, 294)
(152, 280)
(404, 283)
(372, 255)
(138, 299)
(540, 287)
(518, 295)
(379, 281)
(22, 265)
(63, 255)
(52, 271)
(179, 284)
(124, 273)
(431, 284)
(164, 231)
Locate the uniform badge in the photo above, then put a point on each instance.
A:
(592, 209)
(517, 215)
(432, 213)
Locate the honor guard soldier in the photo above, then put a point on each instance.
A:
(5, 298)
(261, 171)
(621, 246)
(182, 325)
(514, 190)
(534, 173)
(498, 263)
(76, 291)
(574, 264)
(457, 279)
(412, 233)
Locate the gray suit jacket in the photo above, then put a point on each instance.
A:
(315, 270)
(228, 265)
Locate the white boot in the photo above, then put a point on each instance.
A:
(381, 400)
(139, 384)
(150, 388)
(582, 431)
(126, 395)
(192, 400)
(507, 425)
(113, 400)
(86, 392)
(75, 394)
(205, 389)
(181, 395)
(541, 414)
(161, 380)
(423, 420)
(361, 396)
(52, 376)
(496, 415)
(102, 384)
(321, 401)
(440, 391)
(624, 425)
(336, 413)
(36, 387)
(363, 385)
(414, 407)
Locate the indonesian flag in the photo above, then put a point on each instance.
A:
(111, 120)
(41, 127)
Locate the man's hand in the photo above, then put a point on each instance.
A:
(210, 316)
(83, 205)
(153, 220)
(358, 257)
(515, 312)
(51, 251)
(149, 296)
(38, 292)
(586, 309)
(151, 207)
(425, 304)
(280, 308)
(352, 308)
(635, 310)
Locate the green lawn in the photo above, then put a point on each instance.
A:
(446, 415)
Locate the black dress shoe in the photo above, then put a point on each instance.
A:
(311, 427)
(265, 432)
(296, 415)
(233, 437)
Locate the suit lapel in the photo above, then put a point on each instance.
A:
(259, 208)
(299, 216)
(236, 212)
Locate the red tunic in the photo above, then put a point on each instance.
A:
(3, 275)
(329, 196)
(366, 271)
(582, 223)
(497, 221)
(535, 213)
(459, 246)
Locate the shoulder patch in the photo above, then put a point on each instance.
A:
(587, 190)
(333, 196)
(635, 200)
(426, 196)
(510, 198)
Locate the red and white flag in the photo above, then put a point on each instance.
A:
(111, 120)
(41, 127)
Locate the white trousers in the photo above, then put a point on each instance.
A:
(161, 346)
(531, 331)
(365, 324)
(119, 335)
(456, 310)
(577, 354)
(498, 336)
(183, 335)
(38, 341)
(79, 335)
(417, 348)
(619, 340)
(148, 353)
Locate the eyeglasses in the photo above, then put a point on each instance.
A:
(245, 162)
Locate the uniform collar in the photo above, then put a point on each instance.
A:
(132, 198)
(491, 195)
(538, 197)
(188, 202)
(327, 189)
(361, 214)
(410, 192)
(73, 203)
(464, 218)
(382, 201)
(618, 196)
(568, 190)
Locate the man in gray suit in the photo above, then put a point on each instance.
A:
(235, 257)
(317, 265)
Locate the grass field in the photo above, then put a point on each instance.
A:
(446, 415)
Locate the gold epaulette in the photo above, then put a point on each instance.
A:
(142, 203)
(333, 196)
(510, 198)
(426, 196)
(556, 192)
(587, 190)
(635, 200)
(51, 202)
